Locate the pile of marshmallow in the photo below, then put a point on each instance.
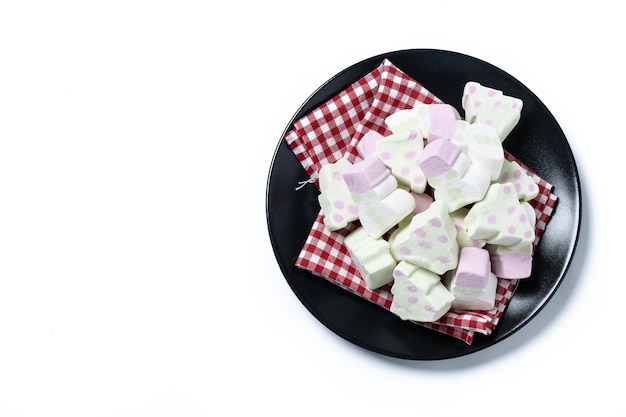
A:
(440, 213)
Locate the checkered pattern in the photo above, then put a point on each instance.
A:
(331, 132)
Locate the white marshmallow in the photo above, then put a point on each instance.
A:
(481, 143)
(458, 218)
(524, 185)
(376, 193)
(456, 181)
(418, 294)
(382, 205)
(434, 121)
(492, 107)
(335, 199)
(428, 241)
(415, 119)
(372, 257)
(500, 218)
(400, 152)
(381, 216)
(460, 190)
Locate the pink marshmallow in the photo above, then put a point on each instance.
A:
(474, 268)
(422, 202)
(472, 283)
(365, 175)
(367, 145)
(438, 157)
(443, 119)
(512, 265)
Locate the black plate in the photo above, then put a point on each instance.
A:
(537, 141)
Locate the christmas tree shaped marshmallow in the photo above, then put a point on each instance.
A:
(335, 198)
(418, 294)
(428, 241)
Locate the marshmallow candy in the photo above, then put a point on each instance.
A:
(428, 241)
(418, 294)
(481, 143)
(524, 185)
(456, 181)
(400, 153)
(443, 119)
(372, 257)
(422, 202)
(414, 119)
(458, 218)
(335, 198)
(472, 283)
(492, 107)
(511, 263)
(366, 147)
(380, 202)
(433, 121)
(500, 218)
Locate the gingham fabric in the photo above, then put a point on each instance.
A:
(331, 132)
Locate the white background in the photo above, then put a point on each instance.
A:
(136, 273)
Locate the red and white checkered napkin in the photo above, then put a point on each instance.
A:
(331, 132)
